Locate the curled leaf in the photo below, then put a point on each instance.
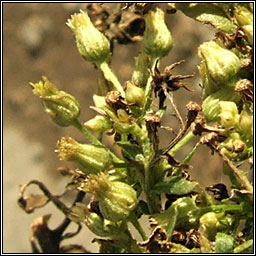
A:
(32, 201)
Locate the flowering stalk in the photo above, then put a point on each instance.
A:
(110, 76)
(184, 215)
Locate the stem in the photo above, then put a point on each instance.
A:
(240, 176)
(133, 219)
(242, 247)
(191, 153)
(148, 152)
(87, 133)
(222, 207)
(110, 76)
(93, 139)
(188, 157)
(148, 88)
(181, 143)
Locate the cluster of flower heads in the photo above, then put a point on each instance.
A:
(227, 88)
(122, 110)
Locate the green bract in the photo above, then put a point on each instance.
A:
(140, 74)
(228, 115)
(98, 124)
(211, 223)
(134, 94)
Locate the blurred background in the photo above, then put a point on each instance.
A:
(37, 42)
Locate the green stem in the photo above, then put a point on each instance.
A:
(188, 157)
(110, 76)
(242, 247)
(181, 143)
(148, 89)
(133, 219)
(93, 139)
(221, 207)
(87, 133)
(191, 153)
(148, 153)
(238, 175)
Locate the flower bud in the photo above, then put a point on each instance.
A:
(99, 226)
(248, 30)
(234, 147)
(98, 124)
(245, 125)
(210, 224)
(100, 103)
(211, 107)
(243, 16)
(228, 116)
(116, 199)
(221, 64)
(90, 158)
(134, 94)
(91, 43)
(62, 107)
(140, 74)
(157, 39)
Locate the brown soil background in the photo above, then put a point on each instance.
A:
(29, 136)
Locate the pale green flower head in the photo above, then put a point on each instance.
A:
(116, 199)
(62, 107)
(91, 43)
(221, 65)
(228, 116)
(157, 39)
(140, 74)
(89, 158)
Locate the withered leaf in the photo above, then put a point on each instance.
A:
(32, 201)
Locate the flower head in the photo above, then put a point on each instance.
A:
(91, 43)
(62, 107)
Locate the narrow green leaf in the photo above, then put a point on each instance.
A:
(224, 243)
(129, 149)
(208, 13)
(175, 185)
(247, 245)
(167, 220)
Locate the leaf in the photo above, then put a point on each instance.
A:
(183, 214)
(175, 185)
(129, 149)
(32, 201)
(208, 13)
(166, 220)
(205, 244)
(107, 246)
(224, 243)
(246, 247)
